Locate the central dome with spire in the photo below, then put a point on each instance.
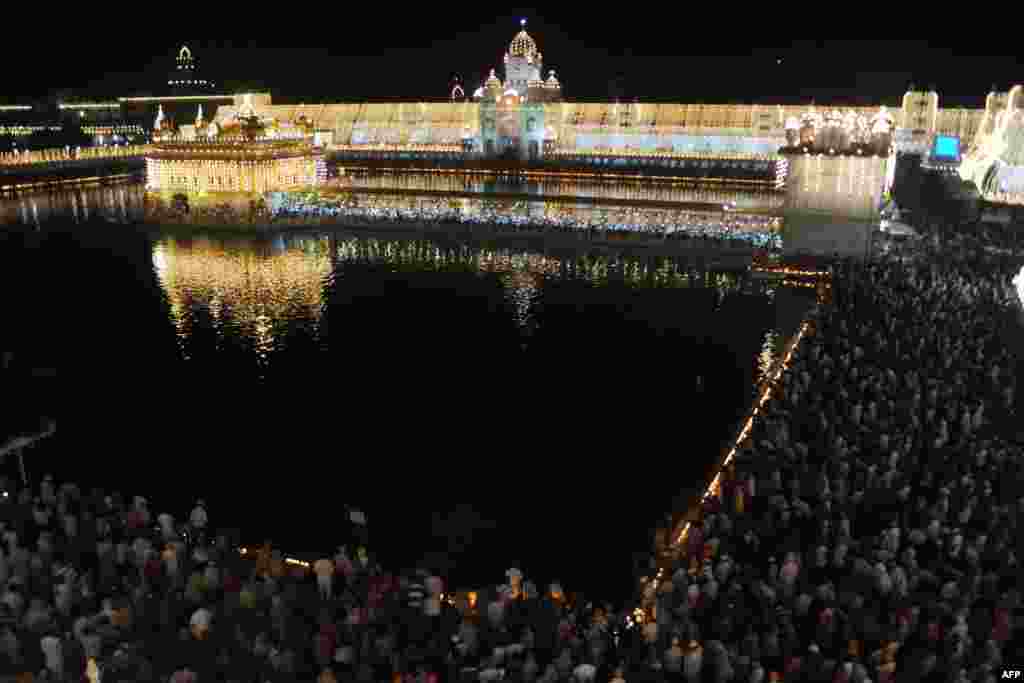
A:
(523, 45)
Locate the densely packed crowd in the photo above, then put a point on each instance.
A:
(870, 529)
(868, 533)
(724, 229)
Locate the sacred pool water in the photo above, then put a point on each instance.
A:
(574, 396)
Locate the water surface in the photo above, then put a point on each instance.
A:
(282, 376)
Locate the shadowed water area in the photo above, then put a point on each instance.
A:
(283, 376)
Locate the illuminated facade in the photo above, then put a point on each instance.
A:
(995, 163)
(525, 116)
(245, 155)
(217, 167)
(1018, 282)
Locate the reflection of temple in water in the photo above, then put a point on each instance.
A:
(526, 269)
(247, 287)
(248, 291)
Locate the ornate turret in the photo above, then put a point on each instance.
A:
(493, 85)
(522, 62)
(553, 88)
(250, 124)
(200, 121)
(185, 61)
(882, 122)
(247, 109)
(535, 91)
(163, 127)
(523, 45)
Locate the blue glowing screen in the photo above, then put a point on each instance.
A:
(947, 147)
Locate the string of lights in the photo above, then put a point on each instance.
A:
(26, 157)
(23, 131)
(646, 611)
(233, 165)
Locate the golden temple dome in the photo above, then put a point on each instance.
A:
(492, 81)
(522, 44)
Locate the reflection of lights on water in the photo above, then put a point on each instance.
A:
(523, 288)
(75, 203)
(244, 293)
(264, 336)
(160, 260)
(248, 294)
(769, 353)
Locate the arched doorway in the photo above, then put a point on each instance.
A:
(534, 150)
(489, 149)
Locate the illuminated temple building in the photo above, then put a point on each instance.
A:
(525, 116)
(246, 155)
(523, 113)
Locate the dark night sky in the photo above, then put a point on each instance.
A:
(405, 52)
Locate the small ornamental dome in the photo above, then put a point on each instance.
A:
(523, 45)
(479, 92)
(552, 81)
(492, 81)
(881, 122)
(247, 109)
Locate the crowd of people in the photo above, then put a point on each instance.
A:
(868, 532)
(870, 529)
(724, 229)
